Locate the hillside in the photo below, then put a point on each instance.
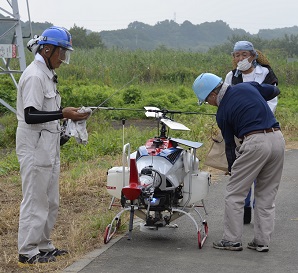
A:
(171, 35)
(168, 34)
(185, 36)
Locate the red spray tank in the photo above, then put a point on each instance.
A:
(133, 190)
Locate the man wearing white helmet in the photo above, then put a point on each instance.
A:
(243, 112)
(38, 145)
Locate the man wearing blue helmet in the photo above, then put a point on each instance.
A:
(38, 145)
(243, 112)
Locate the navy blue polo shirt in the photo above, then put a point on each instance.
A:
(244, 109)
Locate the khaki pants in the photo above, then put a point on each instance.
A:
(260, 157)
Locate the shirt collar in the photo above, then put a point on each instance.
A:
(258, 69)
(39, 58)
(221, 93)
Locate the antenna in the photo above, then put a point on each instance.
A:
(15, 49)
(123, 123)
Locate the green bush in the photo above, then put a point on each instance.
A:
(132, 95)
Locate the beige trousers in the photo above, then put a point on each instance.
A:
(260, 157)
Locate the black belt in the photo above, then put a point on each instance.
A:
(270, 130)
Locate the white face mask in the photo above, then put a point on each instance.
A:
(244, 65)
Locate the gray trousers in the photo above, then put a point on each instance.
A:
(260, 157)
(38, 153)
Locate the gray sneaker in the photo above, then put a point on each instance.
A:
(259, 248)
(228, 245)
(25, 261)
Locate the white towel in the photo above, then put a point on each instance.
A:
(78, 128)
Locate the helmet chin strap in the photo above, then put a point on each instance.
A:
(49, 65)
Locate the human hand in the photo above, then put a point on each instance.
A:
(73, 114)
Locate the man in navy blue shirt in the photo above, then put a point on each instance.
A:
(243, 112)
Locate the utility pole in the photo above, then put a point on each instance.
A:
(14, 50)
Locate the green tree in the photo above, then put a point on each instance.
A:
(81, 39)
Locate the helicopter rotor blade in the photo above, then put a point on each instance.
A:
(174, 125)
(115, 108)
(188, 143)
(151, 111)
(165, 111)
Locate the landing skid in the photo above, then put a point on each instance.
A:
(113, 226)
(201, 225)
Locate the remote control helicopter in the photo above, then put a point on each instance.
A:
(160, 182)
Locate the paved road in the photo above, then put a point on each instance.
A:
(178, 252)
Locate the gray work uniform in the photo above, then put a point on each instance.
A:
(38, 152)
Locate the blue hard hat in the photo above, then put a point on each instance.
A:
(56, 36)
(204, 84)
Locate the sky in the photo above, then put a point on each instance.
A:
(98, 15)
